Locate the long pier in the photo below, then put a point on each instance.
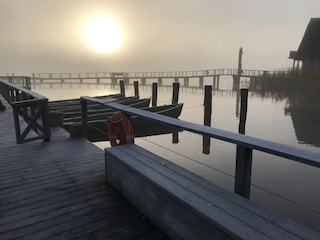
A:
(197, 77)
(164, 74)
(57, 190)
(194, 78)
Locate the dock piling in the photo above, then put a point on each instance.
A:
(175, 92)
(122, 88)
(244, 155)
(136, 88)
(154, 94)
(207, 116)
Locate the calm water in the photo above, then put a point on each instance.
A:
(282, 116)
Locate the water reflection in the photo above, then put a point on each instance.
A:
(281, 109)
(302, 94)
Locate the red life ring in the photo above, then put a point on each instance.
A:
(120, 130)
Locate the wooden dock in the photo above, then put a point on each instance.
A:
(57, 190)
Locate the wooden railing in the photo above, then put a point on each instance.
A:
(245, 144)
(32, 108)
(22, 81)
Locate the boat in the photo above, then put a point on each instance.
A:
(98, 128)
(98, 109)
(75, 102)
(76, 105)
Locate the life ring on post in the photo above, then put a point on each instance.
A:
(120, 130)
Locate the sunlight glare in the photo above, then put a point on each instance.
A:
(102, 34)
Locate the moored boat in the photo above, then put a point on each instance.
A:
(98, 128)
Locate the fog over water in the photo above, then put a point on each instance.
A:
(50, 36)
(145, 36)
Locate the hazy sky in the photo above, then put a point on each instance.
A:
(167, 35)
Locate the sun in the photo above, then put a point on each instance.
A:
(102, 34)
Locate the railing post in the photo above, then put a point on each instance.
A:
(243, 171)
(46, 121)
(84, 117)
(244, 155)
(175, 137)
(17, 125)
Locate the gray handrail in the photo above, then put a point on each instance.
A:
(278, 149)
(245, 144)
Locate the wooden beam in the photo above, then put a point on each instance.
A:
(187, 206)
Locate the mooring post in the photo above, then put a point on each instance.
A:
(244, 155)
(207, 117)
(218, 83)
(154, 94)
(175, 137)
(186, 82)
(201, 82)
(236, 78)
(28, 83)
(84, 117)
(175, 100)
(122, 88)
(240, 62)
(136, 88)
(175, 92)
(214, 82)
(243, 110)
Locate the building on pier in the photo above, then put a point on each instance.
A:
(309, 50)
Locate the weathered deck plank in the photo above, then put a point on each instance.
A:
(57, 190)
(187, 206)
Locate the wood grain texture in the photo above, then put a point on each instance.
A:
(186, 206)
(57, 190)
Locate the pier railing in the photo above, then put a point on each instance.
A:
(32, 108)
(245, 144)
(22, 81)
(164, 74)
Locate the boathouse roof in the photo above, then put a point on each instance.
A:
(309, 48)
